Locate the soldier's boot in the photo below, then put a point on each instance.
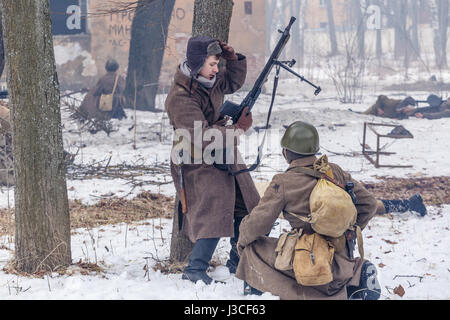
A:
(249, 290)
(369, 288)
(233, 261)
(415, 203)
(199, 259)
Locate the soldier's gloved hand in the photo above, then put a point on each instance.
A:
(228, 51)
(245, 121)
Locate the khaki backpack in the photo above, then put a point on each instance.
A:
(332, 214)
(312, 260)
(106, 100)
(332, 209)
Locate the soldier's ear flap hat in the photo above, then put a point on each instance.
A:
(198, 49)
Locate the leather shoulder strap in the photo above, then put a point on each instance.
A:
(115, 84)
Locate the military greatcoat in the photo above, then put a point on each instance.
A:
(210, 192)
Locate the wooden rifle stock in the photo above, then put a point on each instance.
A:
(183, 200)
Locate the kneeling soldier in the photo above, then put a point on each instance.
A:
(288, 193)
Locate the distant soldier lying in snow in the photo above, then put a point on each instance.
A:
(402, 109)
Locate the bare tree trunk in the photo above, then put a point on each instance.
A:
(211, 18)
(332, 29)
(297, 41)
(439, 23)
(281, 22)
(148, 41)
(414, 10)
(180, 246)
(361, 28)
(302, 25)
(2, 48)
(379, 42)
(42, 238)
(401, 43)
(270, 10)
(443, 31)
(434, 21)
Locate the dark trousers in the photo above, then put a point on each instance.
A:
(396, 205)
(201, 255)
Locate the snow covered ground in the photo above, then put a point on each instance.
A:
(409, 251)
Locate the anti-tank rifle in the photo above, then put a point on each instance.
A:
(233, 110)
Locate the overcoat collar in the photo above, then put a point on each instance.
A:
(181, 79)
(303, 162)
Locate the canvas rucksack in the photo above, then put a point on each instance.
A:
(332, 209)
(313, 258)
(106, 100)
(332, 214)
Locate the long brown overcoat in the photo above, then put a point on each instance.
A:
(290, 192)
(89, 106)
(210, 192)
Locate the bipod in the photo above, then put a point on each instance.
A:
(287, 65)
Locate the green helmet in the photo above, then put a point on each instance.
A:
(301, 138)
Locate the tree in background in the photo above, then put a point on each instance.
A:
(379, 41)
(332, 29)
(211, 18)
(42, 223)
(360, 27)
(2, 50)
(439, 22)
(271, 6)
(149, 31)
(298, 10)
(413, 9)
(276, 19)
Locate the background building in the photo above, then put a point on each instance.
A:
(86, 35)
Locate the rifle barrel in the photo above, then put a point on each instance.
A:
(254, 93)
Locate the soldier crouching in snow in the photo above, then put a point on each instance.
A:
(215, 202)
(289, 193)
(110, 83)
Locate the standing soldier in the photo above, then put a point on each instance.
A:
(215, 202)
(289, 193)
